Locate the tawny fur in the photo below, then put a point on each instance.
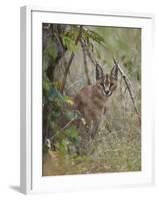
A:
(91, 100)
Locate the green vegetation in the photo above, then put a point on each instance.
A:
(69, 56)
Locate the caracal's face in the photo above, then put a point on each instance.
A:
(107, 82)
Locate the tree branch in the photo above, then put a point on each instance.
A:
(70, 61)
(128, 87)
(88, 52)
(85, 63)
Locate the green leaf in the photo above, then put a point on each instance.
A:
(93, 35)
(70, 115)
(46, 85)
(51, 50)
(62, 146)
(55, 114)
(69, 43)
(55, 94)
(72, 132)
(52, 94)
(66, 98)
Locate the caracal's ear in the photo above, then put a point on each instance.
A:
(99, 72)
(114, 72)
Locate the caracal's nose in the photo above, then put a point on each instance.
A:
(107, 92)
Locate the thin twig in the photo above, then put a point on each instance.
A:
(88, 52)
(85, 63)
(78, 82)
(128, 86)
(70, 61)
(63, 128)
(68, 124)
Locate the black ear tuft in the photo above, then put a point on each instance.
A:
(99, 72)
(114, 72)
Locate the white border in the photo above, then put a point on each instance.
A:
(31, 100)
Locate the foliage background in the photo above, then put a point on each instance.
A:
(117, 146)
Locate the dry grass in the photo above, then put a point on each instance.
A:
(115, 148)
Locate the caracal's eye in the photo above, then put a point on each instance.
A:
(102, 84)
